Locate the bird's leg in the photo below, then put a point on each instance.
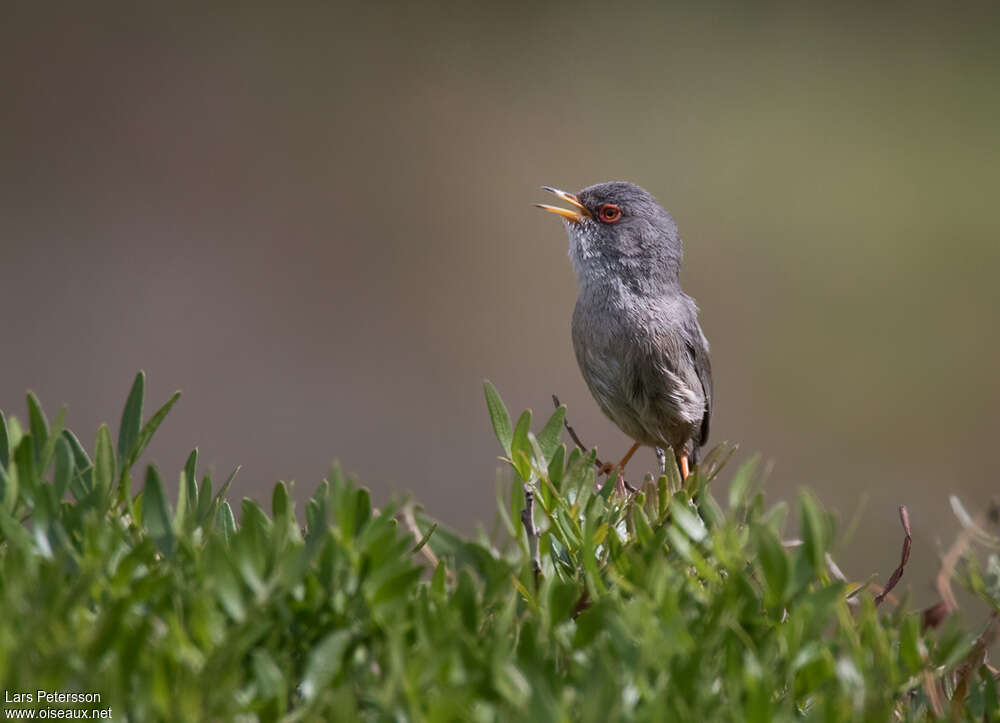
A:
(621, 464)
(683, 461)
(661, 457)
(627, 457)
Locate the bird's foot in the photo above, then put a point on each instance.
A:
(606, 468)
(661, 457)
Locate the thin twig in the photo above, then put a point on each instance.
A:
(528, 520)
(572, 433)
(939, 612)
(897, 574)
(405, 515)
(936, 614)
(932, 689)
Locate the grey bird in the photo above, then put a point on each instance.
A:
(635, 332)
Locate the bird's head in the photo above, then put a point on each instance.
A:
(618, 233)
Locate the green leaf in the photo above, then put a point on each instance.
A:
(499, 417)
(281, 505)
(184, 509)
(324, 663)
(155, 512)
(38, 427)
(551, 434)
(224, 490)
(991, 700)
(557, 465)
(80, 456)
(54, 435)
(205, 501)
(397, 585)
(147, 432)
(425, 538)
(520, 447)
(815, 537)
(673, 475)
(225, 520)
(4, 442)
(191, 481)
(774, 563)
(27, 476)
(64, 468)
(439, 581)
(268, 676)
(741, 482)
(131, 421)
(911, 649)
(8, 488)
(598, 618)
(104, 464)
(688, 521)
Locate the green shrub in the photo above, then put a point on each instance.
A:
(662, 605)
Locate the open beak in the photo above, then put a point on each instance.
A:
(576, 216)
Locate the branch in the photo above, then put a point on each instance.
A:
(904, 517)
(528, 520)
(405, 515)
(572, 433)
(939, 612)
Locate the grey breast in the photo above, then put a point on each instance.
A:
(634, 357)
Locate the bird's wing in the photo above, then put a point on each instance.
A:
(697, 347)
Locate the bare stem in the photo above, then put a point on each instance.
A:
(904, 518)
(405, 515)
(572, 433)
(528, 520)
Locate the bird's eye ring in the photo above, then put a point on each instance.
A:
(609, 213)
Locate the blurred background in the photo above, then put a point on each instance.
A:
(316, 222)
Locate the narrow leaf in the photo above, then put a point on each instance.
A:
(814, 531)
(221, 494)
(281, 506)
(24, 461)
(104, 463)
(324, 663)
(8, 488)
(425, 538)
(155, 513)
(499, 417)
(147, 432)
(131, 422)
(38, 427)
(226, 521)
(549, 437)
(54, 435)
(64, 468)
(191, 480)
(4, 442)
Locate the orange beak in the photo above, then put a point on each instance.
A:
(576, 216)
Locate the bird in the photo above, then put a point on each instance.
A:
(636, 335)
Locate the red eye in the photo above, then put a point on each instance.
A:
(609, 213)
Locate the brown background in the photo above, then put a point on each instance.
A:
(317, 222)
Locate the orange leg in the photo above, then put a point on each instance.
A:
(621, 464)
(685, 471)
(627, 457)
